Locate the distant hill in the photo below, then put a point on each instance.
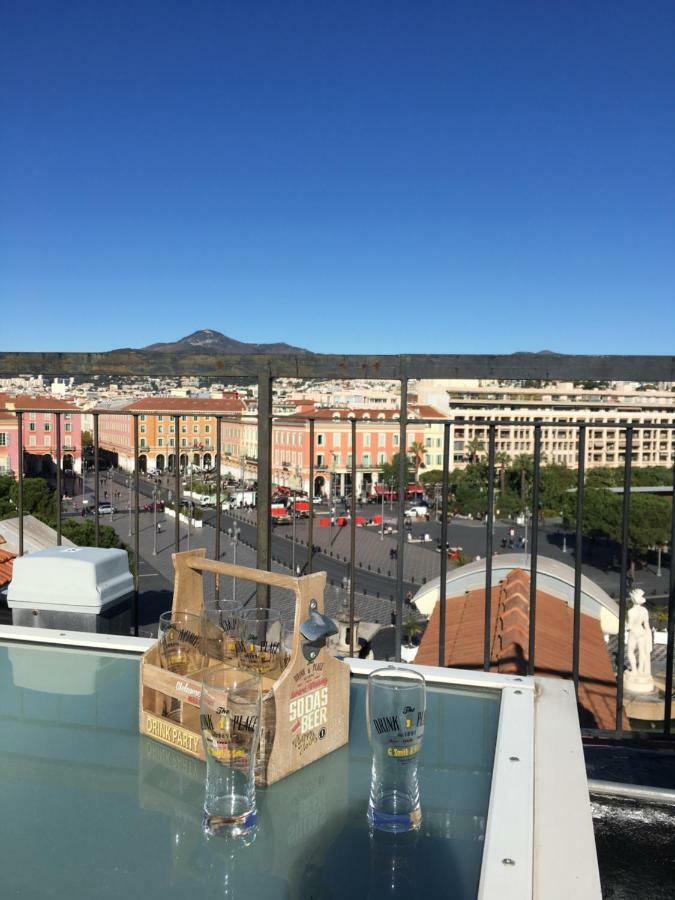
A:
(208, 341)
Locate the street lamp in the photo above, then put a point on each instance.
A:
(295, 500)
(382, 515)
(233, 534)
(129, 500)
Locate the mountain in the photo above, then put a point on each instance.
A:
(208, 341)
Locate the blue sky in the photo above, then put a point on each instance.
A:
(347, 177)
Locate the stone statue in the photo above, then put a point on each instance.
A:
(639, 677)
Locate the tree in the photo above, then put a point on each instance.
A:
(38, 499)
(411, 627)
(431, 477)
(84, 534)
(473, 449)
(523, 467)
(555, 481)
(502, 459)
(390, 472)
(87, 439)
(416, 451)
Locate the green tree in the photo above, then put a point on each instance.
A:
(554, 483)
(502, 459)
(522, 470)
(474, 448)
(411, 627)
(431, 477)
(84, 534)
(7, 508)
(38, 499)
(390, 471)
(87, 439)
(416, 451)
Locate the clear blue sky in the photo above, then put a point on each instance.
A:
(347, 177)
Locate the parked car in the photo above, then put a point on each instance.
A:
(106, 509)
(150, 507)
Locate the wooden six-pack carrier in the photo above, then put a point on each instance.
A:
(305, 709)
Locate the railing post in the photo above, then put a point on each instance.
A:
(97, 495)
(534, 544)
(624, 575)
(352, 561)
(264, 523)
(19, 498)
(219, 450)
(176, 484)
(137, 550)
(310, 533)
(402, 484)
(444, 549)
(578, 558)
(671, 620)
(58, 479)
(487, 625)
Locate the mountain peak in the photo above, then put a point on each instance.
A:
(210, 341)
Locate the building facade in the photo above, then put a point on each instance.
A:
(40, 434)
(170, 429)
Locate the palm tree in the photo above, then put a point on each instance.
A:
(416, 450)
(524, 464)
(473, 448)
(412, 626)
(502, 459)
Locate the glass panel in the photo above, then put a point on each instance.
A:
(93, 802)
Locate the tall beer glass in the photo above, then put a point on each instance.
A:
(260, 641)
(180, 642)
(395, 709)
(230, 713)
(220, 625)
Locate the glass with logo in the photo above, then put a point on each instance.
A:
(229, 717)
(220, 624)
(260, 642)
(395, 710)
(180, 642)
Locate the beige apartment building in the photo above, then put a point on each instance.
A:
(605, 412)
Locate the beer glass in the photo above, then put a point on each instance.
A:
(220, 623)
(260, 641)
(395, 709)
(180, 642)
(230, 710)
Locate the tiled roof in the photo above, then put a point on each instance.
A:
(231, 403)
(510, 605)
(6, 562)
(26, 401)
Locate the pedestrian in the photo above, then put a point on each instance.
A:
(408, 598)
(159, 528)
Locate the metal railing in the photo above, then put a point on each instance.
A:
(403, 368)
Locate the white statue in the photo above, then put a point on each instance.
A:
(639, 677)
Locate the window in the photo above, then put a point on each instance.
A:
(142, 418)
(320, 461)
(172, 429)
(183, 418)
(207, 429)
(366, 440)
(195, 429)
(68, 426)
(427, 442)
(381, 459)
(160, 418)
(366, 459)
(183, 442)
(349, 459)
(3, 439)
(48, 426)
(183, 428)
(32, 440)
(160, 429)
(143, 444)
(320, 440)
(395, 438)
(337, 459)
(160, 443)
(172, 442)
(31, 415)
(142, 429)
(47, 440)
(337, 439)
(427, 459)
(207, 442)
(382, 439)
(195, 418)
(31, 426)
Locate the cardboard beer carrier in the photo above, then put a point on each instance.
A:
(305, 709)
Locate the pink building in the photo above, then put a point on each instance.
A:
(40, 432)
(377, 442)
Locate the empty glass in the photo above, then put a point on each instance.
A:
(395, 709)
(220, 623)
(230, 714)
(180, 642)
(260, 641)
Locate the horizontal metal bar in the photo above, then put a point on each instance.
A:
(516, 366)
(659, 795)
(78, 639)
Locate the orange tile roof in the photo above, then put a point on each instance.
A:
(6, 563)
(26, 401)
(228, 403)
(509, 629)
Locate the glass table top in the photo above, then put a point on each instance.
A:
(91, 809)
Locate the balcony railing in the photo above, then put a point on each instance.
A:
(402, 368)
